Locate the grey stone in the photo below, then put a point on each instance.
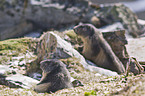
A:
(59, 48)
(117, 40)
(135, 48)
(22, 81)
(118, 12)
(15, 30)
(9, 77)
(112, 27)
(141, 22)
(5, 70)
(17, 16)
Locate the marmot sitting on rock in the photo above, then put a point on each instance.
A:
(55, 76)
(97, 49)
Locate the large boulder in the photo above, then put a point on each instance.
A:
(12, 21)
(59, 14)
(32, 15)
(117, 41)
(53, 46)
(118, 12)
(15, 30)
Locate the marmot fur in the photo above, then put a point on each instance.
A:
(97, 49)
(55, 76)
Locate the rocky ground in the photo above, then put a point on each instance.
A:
(94, 83)
(120, 86)
(21, 56)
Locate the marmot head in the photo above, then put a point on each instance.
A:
(50, 65)
(84, 30)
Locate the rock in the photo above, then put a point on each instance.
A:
(77, 83)
(40, 17)
(9, 77)
(33, 15)
(17, 16)
(93, 68)
(12, 21)
(15, 30)
(111, 13)
(5, 70)
(113, 27)
(135, 67)
(15, 56)
(135, 48)
(117, 41)
(52, 46)
(141, 22)
(19, 80)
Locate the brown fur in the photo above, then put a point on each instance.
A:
(97, 49)
(55, 76)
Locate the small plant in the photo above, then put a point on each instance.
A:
(92, 93)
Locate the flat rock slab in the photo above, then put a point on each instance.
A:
(136, 48)
(15, 80)
(22, 81)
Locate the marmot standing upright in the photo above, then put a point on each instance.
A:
(55, 76)
(97, 49)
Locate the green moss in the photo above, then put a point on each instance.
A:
(74, 40)
(71, 34)
(92, 93)
(15, 47)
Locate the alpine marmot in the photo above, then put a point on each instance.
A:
(97, 49)
(55, 76)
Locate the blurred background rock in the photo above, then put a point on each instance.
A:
(31, 18)
(137, 6)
